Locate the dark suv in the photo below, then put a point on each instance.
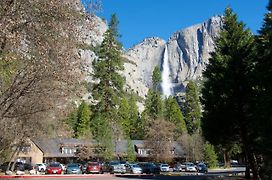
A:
(149, 168)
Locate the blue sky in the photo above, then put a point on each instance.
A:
(161, 18)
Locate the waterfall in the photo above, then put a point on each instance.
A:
(166, 84)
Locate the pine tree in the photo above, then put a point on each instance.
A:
(210, 157)
(109, 89)
(227, 90)
(124, 117)
(156, 78)
(131, 154)
(263, 89)
(133, 116)
(82, 126)
(153, 104)
(173, 114)
(101, 133)
(192, 108)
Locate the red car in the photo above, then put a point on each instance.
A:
(54, 168)
(94, 167)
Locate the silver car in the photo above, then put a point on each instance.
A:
(190, 167)
(73, 168)
(134, 169)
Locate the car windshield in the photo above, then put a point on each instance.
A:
(54, 165)
(135, 165)
(72, 165)
(114, 163)
(93, 164)
(164, 165)
(190, 164)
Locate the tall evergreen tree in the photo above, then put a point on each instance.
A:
(133, 116)
(173, 114)
(227, 89)
(126, 118)
(82, 125)
(192, 109)
(264, 90)
(153, 104)
(109, 89)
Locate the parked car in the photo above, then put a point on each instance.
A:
(190, 167)
(202, 168)
(178, 167)
(149, 168)
(73, 168)
(134, 169)
(94, 167)
(54, 168)
(117, 167)
(164, 167)
(41, 167)
(18, 166)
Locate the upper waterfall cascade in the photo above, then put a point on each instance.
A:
(166, 83)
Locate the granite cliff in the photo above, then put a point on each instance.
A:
(188, 54)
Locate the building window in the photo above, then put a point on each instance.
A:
(25, 149)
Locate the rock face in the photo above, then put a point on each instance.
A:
(188, 54)
(142, 59)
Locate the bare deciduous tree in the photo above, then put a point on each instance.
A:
(159, 140)
(193, 146)
(39, 67)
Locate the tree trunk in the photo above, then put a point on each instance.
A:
(254, 166)
(247, 172)
(13, 157)
(226, 158)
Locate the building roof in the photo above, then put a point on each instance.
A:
(52, 147)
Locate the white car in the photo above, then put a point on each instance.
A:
(164, 167)
(41, 167)
(190, 167)
(134, 169)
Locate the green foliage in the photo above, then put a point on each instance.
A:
(156, 78)
(210, 157)
(173, 114)
(263, 90)
(192, 109)
(128, 116)
(82, 125)
(131, 154)
(101, 132)
(153, 104)
(226, 90)
(228, 95)
(140, 128)
(108, 91)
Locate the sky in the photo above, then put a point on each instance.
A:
(139, 19)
